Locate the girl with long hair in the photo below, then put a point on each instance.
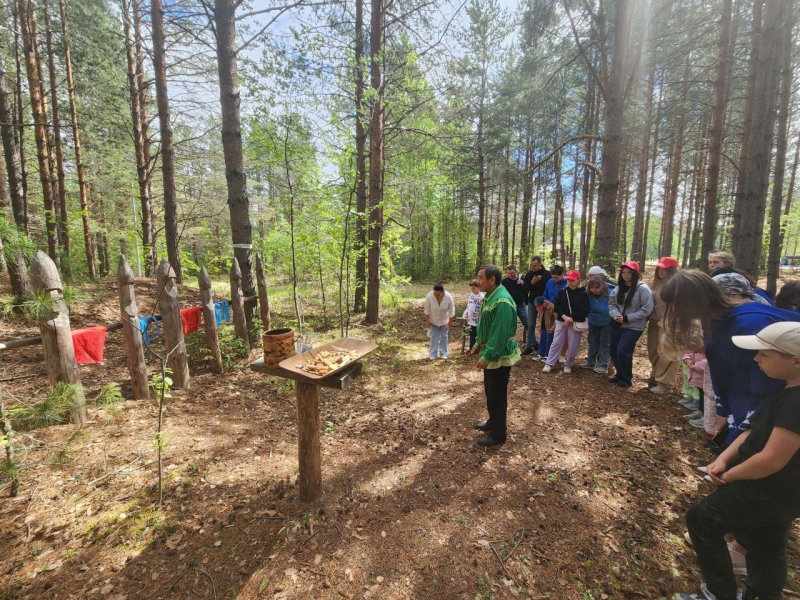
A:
(629, 306)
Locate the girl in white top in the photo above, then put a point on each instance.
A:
(473, 310)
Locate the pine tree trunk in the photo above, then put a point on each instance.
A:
(527, 197)
(167, 150)
(605, 243)
(747, 119)
(652, 178)
(19, 122)
(230, 99)
(717, 131)
(505, 218)
(39, 110)
(76, 140)
(59, 150)
(375, 202)
(784, 103)
(588, 156)
(359, 301)
(145, 190)
(481, 191)
(644, 160)
(759, 143)
(10, 154)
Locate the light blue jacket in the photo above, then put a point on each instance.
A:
(598, 307)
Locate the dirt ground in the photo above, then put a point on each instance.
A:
(585, 501)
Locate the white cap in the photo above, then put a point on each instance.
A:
(597, 270)
(783, 337)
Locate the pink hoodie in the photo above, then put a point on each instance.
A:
(696, 373)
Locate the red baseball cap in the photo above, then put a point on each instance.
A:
(573, 276)
(631, 264)
(665, 262)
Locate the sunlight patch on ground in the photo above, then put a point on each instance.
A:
(398, 476)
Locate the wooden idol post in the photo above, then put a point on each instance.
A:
(263, 297)
(209, 320)
(131, 330)
(174, 345)
(59, 353)
(237, 304)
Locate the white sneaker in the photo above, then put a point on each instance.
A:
(536, 358)
(562, 360)
(547, 369)
(660, 389)
(567, 369)
(601, 370)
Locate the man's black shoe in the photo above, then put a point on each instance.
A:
(490, 440)
(527, 351)
(614, 379)
(484, 426)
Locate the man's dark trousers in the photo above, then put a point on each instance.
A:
(495, 384)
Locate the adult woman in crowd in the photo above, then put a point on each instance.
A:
(741, 387)
(789, 296)
(664, 372)
(629, 306)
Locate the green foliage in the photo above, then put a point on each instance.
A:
(108, 398)
(55, 409)
(161, 385)
(232, 348)
(42, 305)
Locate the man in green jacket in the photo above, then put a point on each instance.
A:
(497, 351)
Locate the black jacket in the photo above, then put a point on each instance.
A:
(579, 300)
(534, 290)
(516, 290)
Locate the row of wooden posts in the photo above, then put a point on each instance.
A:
(59, 354)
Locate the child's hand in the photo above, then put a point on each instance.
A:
(715, 471)
(567, 320)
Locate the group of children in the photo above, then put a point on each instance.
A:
(743, 526)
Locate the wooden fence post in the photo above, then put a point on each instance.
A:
(308, 447)
(131, 330)
(237, 304)
(263, 296)
(174, 345)
(59, 354)
(209, 320)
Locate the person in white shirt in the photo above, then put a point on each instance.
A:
(439, 312)
(473, 310)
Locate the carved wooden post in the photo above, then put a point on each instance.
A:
(59, 354)
(237, 304)
(131, 331)
(308, 449)
(173, 329)
(209, 320)
(263, 297)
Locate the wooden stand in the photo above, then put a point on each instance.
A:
(307, 394)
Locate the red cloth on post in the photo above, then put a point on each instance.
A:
(89, 344)
(191, 319)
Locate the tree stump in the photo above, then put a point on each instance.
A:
(210, 320)
(237, 304)
(131, 330)
(174, 346)
(59, 353)
(263, 296)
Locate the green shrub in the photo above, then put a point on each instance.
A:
(55, 409)
(232, 348)
(108, 398)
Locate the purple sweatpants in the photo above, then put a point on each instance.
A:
(564, 335)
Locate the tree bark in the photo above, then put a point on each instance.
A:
(145, 190)
(375, 217)
(759, 143)
(605, 242)
(230, 99)
(19, 121)
(210, 321)
(359, 300)
(59, 150)
(131, 331)
(76, 139)
(39, 110)
(10, 154)
(784, 102)
(747, 119)
(710, 213)
(174, 346)
(167, 150)
(637, 244)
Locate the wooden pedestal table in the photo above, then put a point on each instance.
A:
(307, 394)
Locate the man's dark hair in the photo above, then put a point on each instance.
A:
(490, 271)
(556, 270)
(438, 287)
(539, 258)
(510, 267)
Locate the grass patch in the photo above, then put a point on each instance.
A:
(109, 398)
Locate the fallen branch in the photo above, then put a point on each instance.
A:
(211, 579)
(503, 565)
(115, 472)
